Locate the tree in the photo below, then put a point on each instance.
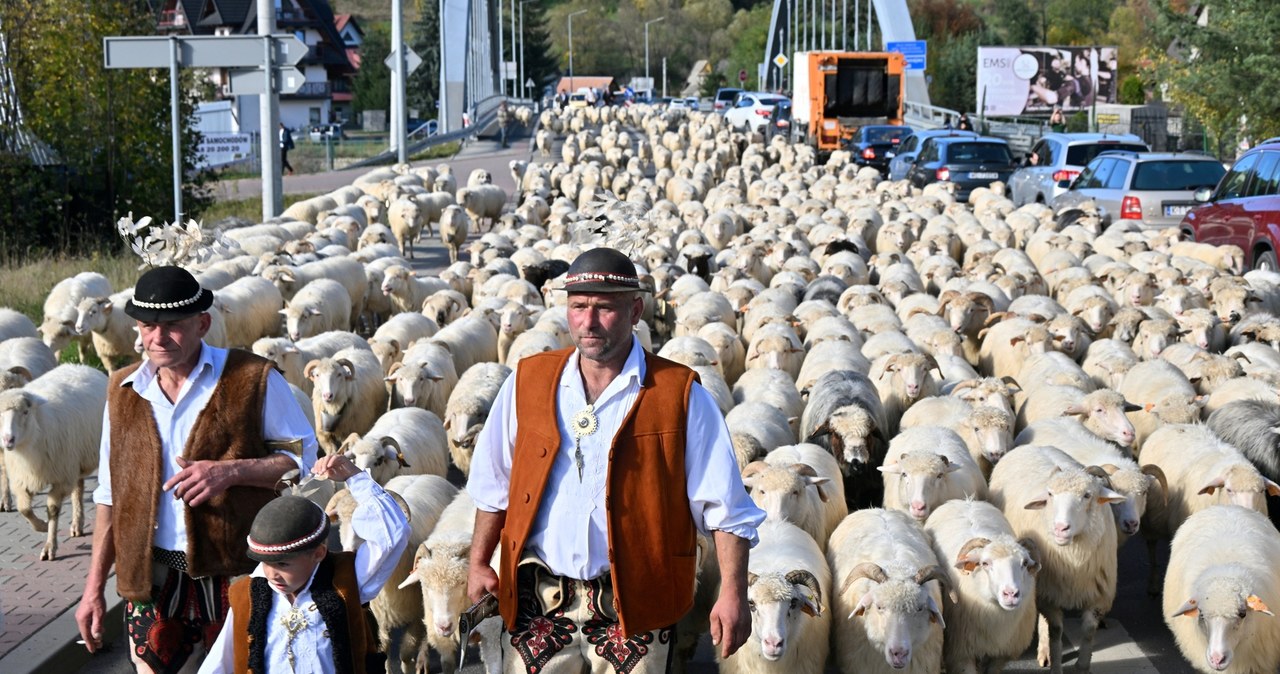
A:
(422, 88)
(539, 63)
(1224, 73)
(1012, 23)
(111, 128)
(1078, 22)
(371, 89)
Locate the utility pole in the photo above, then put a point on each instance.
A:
(502, 79)
(397, 81)
(442, 116)
(646, 52)
(269, 120)
(523, 89)
(664, 77)
(571, 15)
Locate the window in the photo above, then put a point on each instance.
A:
(1177, 175)
(1101, 174)
(1233, 185)
(908, 145)
(883, 135)
(315, 116)
(745, 102)
(1266, 175)
(1079, 155)
(928, 153)
(978, 153)
(1119, 174)
(1043, 153)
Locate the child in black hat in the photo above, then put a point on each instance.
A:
(300, 610)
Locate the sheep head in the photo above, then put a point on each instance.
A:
(897, 606)
(776, 601)
(1220, 605)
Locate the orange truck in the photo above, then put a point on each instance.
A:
(838, 92)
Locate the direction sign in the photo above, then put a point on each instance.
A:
(742, 75)
(915, 51)
(780, 60)
(249, 82)
(200, 51)
(528, 84)
(411, 60)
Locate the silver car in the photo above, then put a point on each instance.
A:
(1153, 188)
(1059, 157)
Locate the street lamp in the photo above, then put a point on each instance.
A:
(523, 89)
(646, 53)
(571, 15)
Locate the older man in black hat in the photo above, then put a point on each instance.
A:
(597, 471)
(195, 439)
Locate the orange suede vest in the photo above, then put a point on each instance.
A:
(229, 427)
(652, 536)
(360, 635)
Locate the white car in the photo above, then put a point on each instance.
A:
(750, 112)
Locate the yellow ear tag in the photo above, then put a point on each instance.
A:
(1255, 603)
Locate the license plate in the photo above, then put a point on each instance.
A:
(1178, 210)
(984, 175)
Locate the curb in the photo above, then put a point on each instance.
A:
(54, 649)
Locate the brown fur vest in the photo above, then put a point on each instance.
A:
(229, 427)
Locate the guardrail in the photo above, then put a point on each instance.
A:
(924, 116)
(484, 113)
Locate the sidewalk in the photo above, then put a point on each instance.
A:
(40, 598)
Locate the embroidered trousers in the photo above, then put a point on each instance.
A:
(568, 626)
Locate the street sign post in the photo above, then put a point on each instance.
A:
(742, 75)
(209, 51)
(780, 60)
(246, 82)
(916, 52)
(411, 60)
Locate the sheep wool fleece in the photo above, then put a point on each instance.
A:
(229, 427)
(652, 536)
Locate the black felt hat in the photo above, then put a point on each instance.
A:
(602, 270)
(167, 294)
(286, 527)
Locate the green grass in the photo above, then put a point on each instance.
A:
(438, 152)
(25, 285)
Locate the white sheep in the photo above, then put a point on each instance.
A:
(399, 611)
(425, 377)
(14, 324)
(57, 328)
(471, 339)
(250, 308)
(406, 290)
(468, 409)
(348, 271)
(789, 588)
(987, 431)
(110, 330)
(405, 218)
(1052, 500)
(1200, 471)
(1215, 599)
(1136, 483)
(1102, 411)
(50, 431)
(888, 610)
(440, 569)
(756, 428)
(321, 306)
(455, 227)
(393, 337)
(348, 395)
(1151, 384)
(927, 466)
(833, 503)
(406, 441)
(901, 379)
(994, 575)
(291, 357)
(23, 359)
(483, 202)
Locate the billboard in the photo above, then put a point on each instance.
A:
(1032, 80)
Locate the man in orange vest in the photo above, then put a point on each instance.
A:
(597, 471)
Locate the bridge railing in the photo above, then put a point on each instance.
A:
(925, 116)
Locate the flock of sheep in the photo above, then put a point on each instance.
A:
(953, 413)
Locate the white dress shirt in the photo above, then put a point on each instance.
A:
(282, 419)
(571, 531)
(380, 522)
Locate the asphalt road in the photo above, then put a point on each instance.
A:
(1134, 638)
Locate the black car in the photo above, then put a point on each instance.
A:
(779, 123)
(872, 145)
(967, 162)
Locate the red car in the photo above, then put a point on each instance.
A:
(1244, 209)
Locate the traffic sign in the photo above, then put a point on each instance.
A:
(528, 84)
(411, 60)
(780, 60)
(200, 51)
(742, 75)
(249, 82)
(916, 52)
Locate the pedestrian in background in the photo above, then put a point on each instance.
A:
(504, 123)
(194, 441)
(286, 144)
(1057, 121)
(964, 124)
(598, 469)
